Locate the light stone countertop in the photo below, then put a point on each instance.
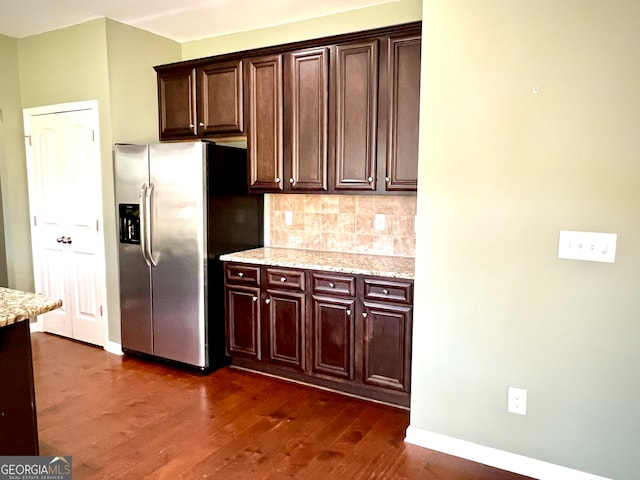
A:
(17, 306)
(355, 263)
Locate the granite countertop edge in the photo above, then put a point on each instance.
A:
(18, 306)
(354, 263)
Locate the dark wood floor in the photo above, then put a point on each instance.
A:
(123, 418)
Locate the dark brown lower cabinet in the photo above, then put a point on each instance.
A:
(243, 322)
(286, 328)
(333, 342)
(387, 345)
(348, 333)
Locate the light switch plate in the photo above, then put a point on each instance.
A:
(288, 217)
(589, 246)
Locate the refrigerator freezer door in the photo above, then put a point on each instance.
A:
(178, 246)
(131, 164)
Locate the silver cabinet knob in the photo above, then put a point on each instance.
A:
(387, 179)
(385, 291)
(277, 179)
(201, 124)
(370, 179)
(255, 299)
(241, 274)
(364, 314)
(291, 180)
(267, 301)
(283, 279)
(348, 312)
(191, 125)
(332, 285)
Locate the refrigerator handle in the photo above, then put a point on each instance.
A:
(143, 224)
(147, 221)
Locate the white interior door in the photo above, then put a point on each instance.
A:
(65, 199)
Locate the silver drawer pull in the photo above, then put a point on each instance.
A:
(385, 291)
(267, 301)
(364, 314)
(241, 274)
(255, 299)
(283, 279)
(348, 313)
(332, 285)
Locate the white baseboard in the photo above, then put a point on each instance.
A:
(493, 457)
(35, 326)
(113, 347)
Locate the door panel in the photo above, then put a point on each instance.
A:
(66, 205)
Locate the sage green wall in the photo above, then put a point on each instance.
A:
(132, 54)
(11, 165)
(392, 13)
(502, 171)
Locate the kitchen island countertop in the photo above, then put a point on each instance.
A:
(17, 306)
(355, 263)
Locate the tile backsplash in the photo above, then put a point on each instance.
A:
(344, 223)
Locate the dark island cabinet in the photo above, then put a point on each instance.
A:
(348, 333)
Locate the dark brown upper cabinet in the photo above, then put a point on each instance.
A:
(177, 103)
(199, 102)
(354, 87)
(337, 114)
(306, 108)
(220, 107)
(402, 113)
(264, 90)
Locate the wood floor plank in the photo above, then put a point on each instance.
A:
(126, 418)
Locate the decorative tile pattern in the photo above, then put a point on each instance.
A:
(378, 265)
(17, 306)
(344, 223)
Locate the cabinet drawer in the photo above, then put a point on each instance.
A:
(333, 284)
(245, 274)
(291, 279)
(400, 291)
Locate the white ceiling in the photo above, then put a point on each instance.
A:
(180, 20)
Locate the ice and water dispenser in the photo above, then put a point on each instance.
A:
(129, 214)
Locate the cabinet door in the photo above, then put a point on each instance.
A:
(403, 113)
(177, 103)
(243, 322)
(265, 122)
(354, 103)
(285, 331)
(306, 98)
(387, 345)
(220, 98)
(333, 341)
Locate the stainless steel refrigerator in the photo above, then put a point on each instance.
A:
(180, 206)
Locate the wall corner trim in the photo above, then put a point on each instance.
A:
(493, 457)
